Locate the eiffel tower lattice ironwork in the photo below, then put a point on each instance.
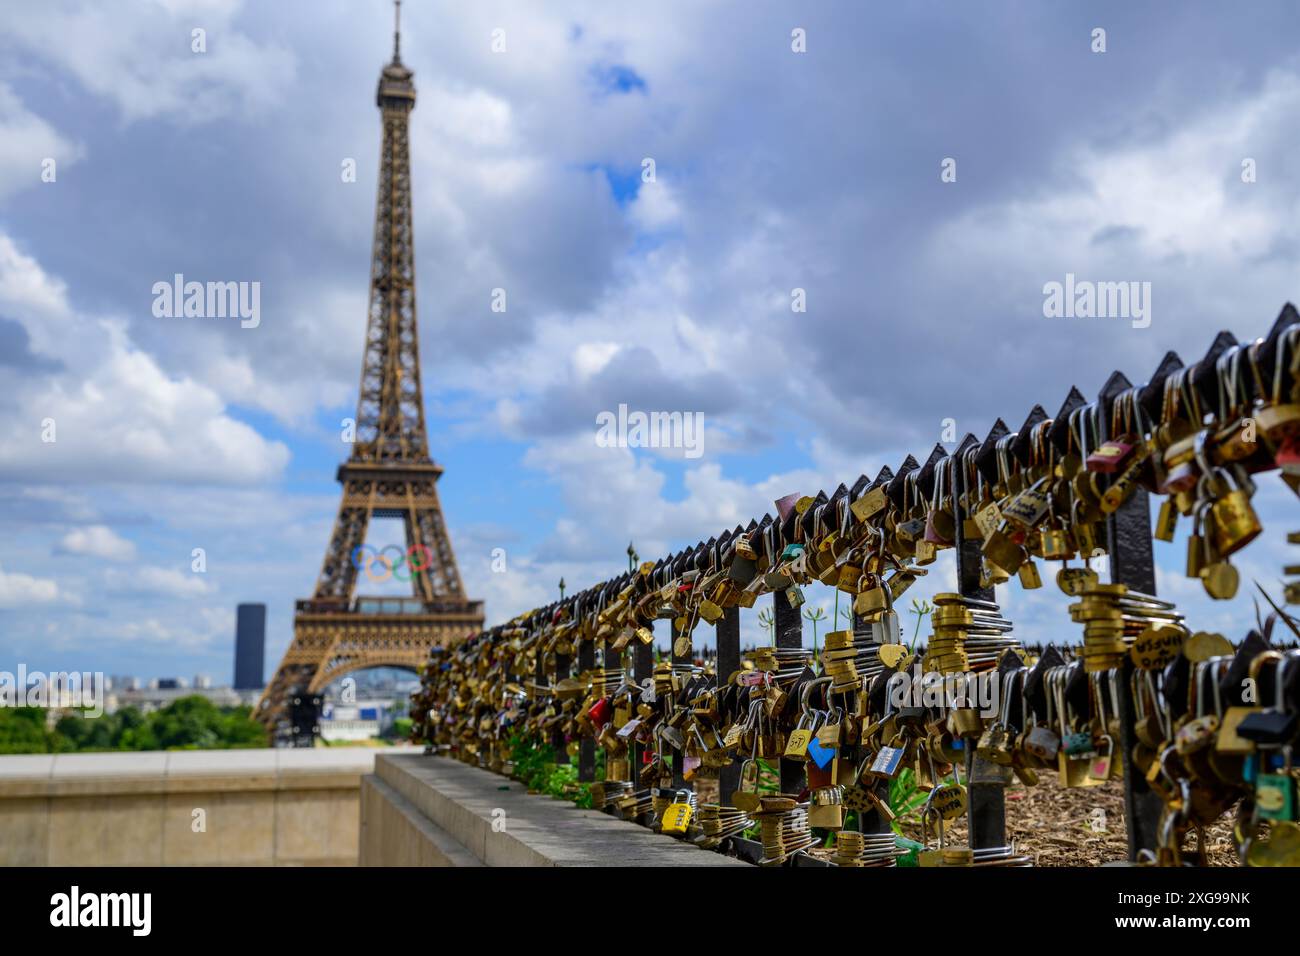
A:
(388, 475)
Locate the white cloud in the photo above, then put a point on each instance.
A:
(116, 414)
(1171, 209)
(142, 60)
(655, 207)
(22, 590)
(26, 141)
(98, 541)
(590, 357)
(165, 582)
(193, 633)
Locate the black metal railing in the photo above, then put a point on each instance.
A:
(1127, 541)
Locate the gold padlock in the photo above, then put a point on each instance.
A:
(1002, 551)
(1278, 423)
(1196, 545)
(826, 809)
(1234, 522)
(870, 599)
(965, 721)
(1056, 545)
(1167, 521)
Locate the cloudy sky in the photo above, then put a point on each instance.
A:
(775, 170)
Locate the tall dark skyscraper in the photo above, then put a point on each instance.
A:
(250, 645)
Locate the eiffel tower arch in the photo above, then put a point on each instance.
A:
(388, 475)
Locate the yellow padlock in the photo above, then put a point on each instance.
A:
(677, 815)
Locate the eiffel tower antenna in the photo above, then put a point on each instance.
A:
(389, 474)
(397, 31)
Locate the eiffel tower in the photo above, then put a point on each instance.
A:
(388, 475)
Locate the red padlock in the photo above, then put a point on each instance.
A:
(1111, 456)
(1287, 456)
(932, 533)
(1180, 478)
(600, 712)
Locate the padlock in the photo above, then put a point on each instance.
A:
(601, 712)
(993, 744)
(677, 816)
(1235, 523)
(940, 526)
(1167, 521)
(1078, 744)
(826, 808)
(931, 857)
(872, 595)
(796, 746)
(1029, 577)
(949, 800)
(1056, 544)
(1180, 479)
(745, 796)
(1026, 510)
(1042, 742)
(745, 548)
(831, 733)
(965, 722)
(1197, 543)
(999, 549)
(1275, 793)
(710, 611)
(1100, 768)
(1278, 422)
(888, 761)
(1112, 455)
(823, 765)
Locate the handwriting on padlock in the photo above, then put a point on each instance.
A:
(1156, 646)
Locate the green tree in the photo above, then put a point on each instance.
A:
(189, 723)
(195, 723)
(73, 732)
(22, 731)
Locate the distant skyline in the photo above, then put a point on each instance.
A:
(774, 171)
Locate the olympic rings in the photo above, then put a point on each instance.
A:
(428, 558)
(390, 566)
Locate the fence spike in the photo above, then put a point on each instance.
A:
(1020, 446)
(986, 458)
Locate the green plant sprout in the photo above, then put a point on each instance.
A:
(922, 610)
(816, 615)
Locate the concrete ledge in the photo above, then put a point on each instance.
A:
(185, 771)
(462, 803)
(390, 820)
(183, 808)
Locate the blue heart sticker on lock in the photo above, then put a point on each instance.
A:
(820, 755)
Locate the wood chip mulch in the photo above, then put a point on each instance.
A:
(1080, 826)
